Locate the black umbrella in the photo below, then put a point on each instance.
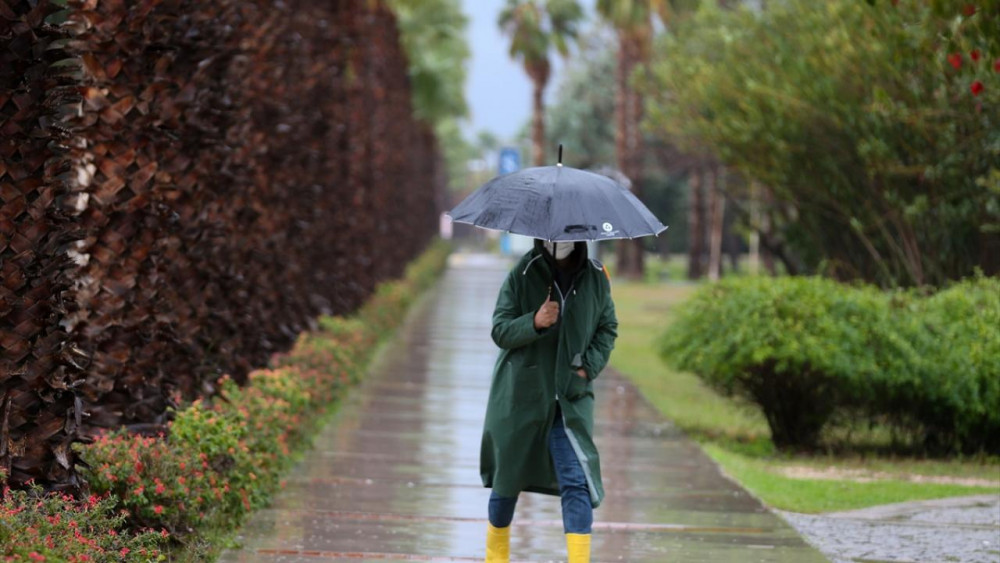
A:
(558, 203)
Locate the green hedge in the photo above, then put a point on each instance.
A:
(806, 349)
(222, 459)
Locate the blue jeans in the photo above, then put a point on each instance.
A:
(578, 515)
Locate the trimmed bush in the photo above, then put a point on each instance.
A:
(960, 403)
(807, 348)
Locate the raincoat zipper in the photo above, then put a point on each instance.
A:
(562, 304)
(569, 433)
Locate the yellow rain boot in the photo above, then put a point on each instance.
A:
(497, 544)
(578, 548)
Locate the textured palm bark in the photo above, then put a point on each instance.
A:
(628, 140)
(188, 201)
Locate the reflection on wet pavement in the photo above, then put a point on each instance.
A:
(395, 476)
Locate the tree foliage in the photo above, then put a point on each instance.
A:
(862, 122)
(433, 35)
(582, 113)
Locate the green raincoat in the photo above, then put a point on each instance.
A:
(537, 369)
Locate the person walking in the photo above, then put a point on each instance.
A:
(555, 325)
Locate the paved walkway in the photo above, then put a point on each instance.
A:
(965, 529)
(395, 477)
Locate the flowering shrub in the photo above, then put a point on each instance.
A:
(50, 527)
(224, 457)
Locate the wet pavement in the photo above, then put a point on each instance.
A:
(395, 475)
(965, 529)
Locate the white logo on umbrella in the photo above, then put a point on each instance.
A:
(607, 227)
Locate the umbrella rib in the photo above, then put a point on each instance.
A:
(552, 198)
(648, 224)
(513, 219)
(611, 206)
(652, 227)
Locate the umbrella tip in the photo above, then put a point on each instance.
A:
(560, 155)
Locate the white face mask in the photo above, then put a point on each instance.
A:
(562, 249)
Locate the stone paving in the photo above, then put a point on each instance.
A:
(965, 529)
(395, 475)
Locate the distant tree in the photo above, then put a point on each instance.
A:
(873, 132)
(582, 114)
(535, 27)
(633, 21)
(433, 34)
(487, 141)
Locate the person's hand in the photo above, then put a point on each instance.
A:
(548, 313)
(581, 373)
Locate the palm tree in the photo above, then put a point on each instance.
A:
(534, 28)
(633, 21)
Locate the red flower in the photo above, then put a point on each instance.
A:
(125, 551)
(956, 60)
(974, 55)
(34, 556)
(969, 10)
(158, 509)
(996, 65)
(976, 88)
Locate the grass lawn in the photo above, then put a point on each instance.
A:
(736, 436)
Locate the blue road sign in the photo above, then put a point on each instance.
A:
(510, 160)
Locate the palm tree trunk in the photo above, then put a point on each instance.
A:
(625, 249)
(621, 101)
(538, 124)
(717, 207)
(696, 225)
(634, 145)
(628, 144)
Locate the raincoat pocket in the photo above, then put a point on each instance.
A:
(526, 386)
(578, 388)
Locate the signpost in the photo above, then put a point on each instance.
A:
(510, 160)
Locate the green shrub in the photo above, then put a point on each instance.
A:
(38, 526)
(807, 348)
(776, 343)
(960, 404)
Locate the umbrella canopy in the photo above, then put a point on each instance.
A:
(558, 203)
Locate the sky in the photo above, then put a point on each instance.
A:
(497, 89)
